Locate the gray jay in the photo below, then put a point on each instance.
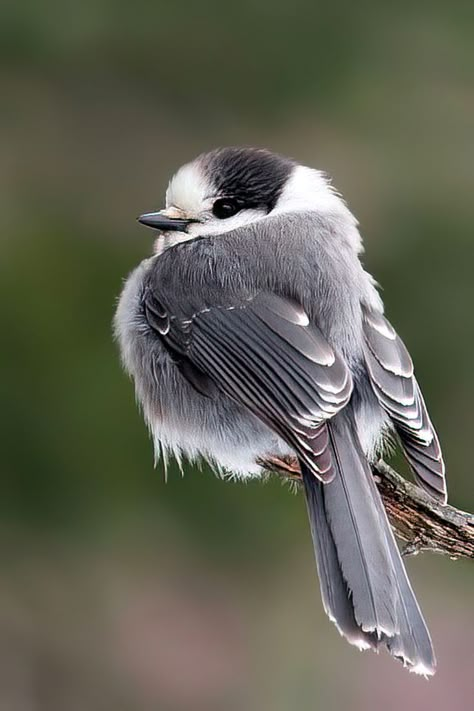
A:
(253, 330)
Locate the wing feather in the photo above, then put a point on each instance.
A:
(391, 373)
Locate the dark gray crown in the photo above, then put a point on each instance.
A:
(253, 176)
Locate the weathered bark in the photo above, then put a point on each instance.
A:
(422, 523)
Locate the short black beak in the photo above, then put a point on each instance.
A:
(161, 222)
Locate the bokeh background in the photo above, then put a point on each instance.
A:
(116, 590)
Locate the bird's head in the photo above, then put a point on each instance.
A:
(230, 188)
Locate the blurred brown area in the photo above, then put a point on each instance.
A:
(116, 590)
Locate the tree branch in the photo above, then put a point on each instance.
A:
(419, 520)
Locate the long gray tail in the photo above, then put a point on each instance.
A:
(364, 585)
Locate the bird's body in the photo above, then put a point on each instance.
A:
(258, 333)
(180, 417)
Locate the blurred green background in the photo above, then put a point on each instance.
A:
(116, 590)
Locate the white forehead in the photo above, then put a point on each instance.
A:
(188, 189)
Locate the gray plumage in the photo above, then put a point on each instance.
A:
(254, 331)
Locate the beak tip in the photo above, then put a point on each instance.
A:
(147, 218)
(150, 219)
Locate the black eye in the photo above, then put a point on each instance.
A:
(225, 207)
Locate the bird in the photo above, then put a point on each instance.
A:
(252, 330)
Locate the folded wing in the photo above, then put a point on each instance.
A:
(266, 355)
(392, 376)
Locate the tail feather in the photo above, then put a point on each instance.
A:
(364, 556)
(413, 641)
(364, 585)
(334, 591)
